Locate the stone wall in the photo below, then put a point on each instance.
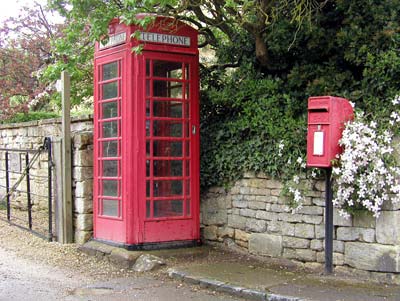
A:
(30, 135)
(253, 215)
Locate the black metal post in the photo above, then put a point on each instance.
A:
(50, 186)
(8, 188)
(328, 222)
(28, 191)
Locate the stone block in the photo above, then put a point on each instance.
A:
(82, 140)
(364, 220)
(311, 210)
(256, 205)
(295, 243)
(317, 245)
(265, 215)
(214, 217)
(388, 228)
(83, 157)
(210, 232)
(355, 234)
(237, 221)
(247, 212)
(389, 206)
(239, 203)
(265, 244)
(256, 225)
(241, 235)
(338, 246)
(320, 231)
(339, 220)
(226, 232)
(318, 202)
(304, 231)
(80, 237)
(290, 217)
(372, 257)
(278, 208)
(83, 205)
(83, 222)
(82, 173)
(313, 219)
(300, 254)
(274, 184)
(287, 229)
(84, 189)
(276, 192)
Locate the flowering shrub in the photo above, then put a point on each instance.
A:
(366, 174)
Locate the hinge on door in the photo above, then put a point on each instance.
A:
(193, 129)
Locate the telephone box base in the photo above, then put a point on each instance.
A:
(153, 245)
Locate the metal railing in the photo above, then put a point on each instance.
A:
(28, 208)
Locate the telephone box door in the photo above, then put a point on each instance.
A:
(171, 181)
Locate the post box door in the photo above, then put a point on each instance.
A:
(172, 147)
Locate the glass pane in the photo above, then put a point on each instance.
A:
(110, 168)
(187, 187)
(168, 168)
(187, 72)
(166, 128)
(175, 90)
(148, 189)
(110, 70)
(148, 209)
(171, 109)
(187, 172)
(187, 90)
(147, 168)
(167, 148)
(167, 89)
(167, 188)
(147, 67)
(167, 69)
(168, 208)
(110, 207)
(110, 148)
(187, 146)
(110, 129)
(110, 109)
(187, 110)
(148, 148)
(147, 108)
(147, 128)
(187, 207)
(110, 90)
(148, 87)
(110, 187)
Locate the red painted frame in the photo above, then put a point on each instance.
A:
(131, 227)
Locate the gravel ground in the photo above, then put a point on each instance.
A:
(66, 256)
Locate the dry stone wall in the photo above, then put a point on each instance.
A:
(254, 216)
(30, 135)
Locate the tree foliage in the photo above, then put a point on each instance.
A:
(270, 56)
(25, 51)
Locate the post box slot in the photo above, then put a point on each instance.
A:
(319, 110)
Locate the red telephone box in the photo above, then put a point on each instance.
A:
(146, 140)
(326, 118)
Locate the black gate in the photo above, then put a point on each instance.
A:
(26, 188)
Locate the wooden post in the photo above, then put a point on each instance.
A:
(67, 217)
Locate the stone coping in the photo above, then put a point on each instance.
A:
(74, 119)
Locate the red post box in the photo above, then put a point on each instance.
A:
(326, 118)
(146, 137)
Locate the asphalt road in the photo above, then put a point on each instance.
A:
(24, 279)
